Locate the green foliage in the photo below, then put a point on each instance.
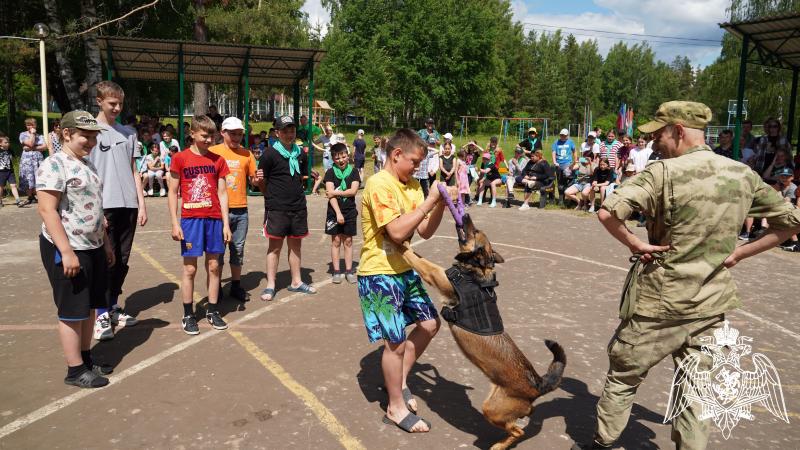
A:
(407, 59)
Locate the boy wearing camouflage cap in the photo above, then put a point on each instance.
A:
(695, 202)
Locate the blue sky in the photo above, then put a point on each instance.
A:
(682, 18)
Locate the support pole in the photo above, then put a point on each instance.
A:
(247, 102)
(110, 62)
(181, 137)
(310, 122)
(737, 151)
(43, 75)
(296, 102)
(792, 108)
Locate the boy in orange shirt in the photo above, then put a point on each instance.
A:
(242, 166)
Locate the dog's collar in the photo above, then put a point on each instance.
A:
(456, 273)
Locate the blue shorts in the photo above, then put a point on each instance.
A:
(201, 235)
(389, 303)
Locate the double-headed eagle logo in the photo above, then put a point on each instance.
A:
(726, 391)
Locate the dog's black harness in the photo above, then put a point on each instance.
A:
(477, 310)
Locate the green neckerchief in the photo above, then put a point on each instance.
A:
(342, 175)
(533, 143)
(294, 165)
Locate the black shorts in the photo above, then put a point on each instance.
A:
(348, 228)
(75, 297)
(359, 163)
(7, 176)
(283, 224)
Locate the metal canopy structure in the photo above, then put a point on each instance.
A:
(772, 41)
(207, 62)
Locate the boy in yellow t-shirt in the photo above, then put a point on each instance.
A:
(391, 293)
(242, 167)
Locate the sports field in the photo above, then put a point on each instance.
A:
(299, 373)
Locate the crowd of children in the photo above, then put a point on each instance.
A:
(85, 250)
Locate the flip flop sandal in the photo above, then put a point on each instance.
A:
(270, 292)
(88, 379)
(303, 288)
(408, 422)
(407, 397)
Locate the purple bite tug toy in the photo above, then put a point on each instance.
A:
(456, 211)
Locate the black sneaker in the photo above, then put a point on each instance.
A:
(238, 293)
(189, 324)
(793, 247)
(102, 369)
(216, 321)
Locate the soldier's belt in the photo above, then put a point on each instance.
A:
(630, 290)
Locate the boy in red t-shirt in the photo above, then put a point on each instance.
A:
(203, 225)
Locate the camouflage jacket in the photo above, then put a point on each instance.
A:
(695, 203)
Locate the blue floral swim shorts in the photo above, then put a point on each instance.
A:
(390, 303)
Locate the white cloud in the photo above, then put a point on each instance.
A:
(682, 18)
(317, 14)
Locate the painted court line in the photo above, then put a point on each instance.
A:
(324, 415)
(63, 402)
(764, 321)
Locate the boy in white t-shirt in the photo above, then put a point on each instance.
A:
(74, 246)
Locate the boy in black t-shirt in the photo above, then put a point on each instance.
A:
(285, 216)
(341, 185)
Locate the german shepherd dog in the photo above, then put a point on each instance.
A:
(515, 383)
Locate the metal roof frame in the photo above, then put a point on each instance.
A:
(208, 62)
(212, 62)
(772, 41)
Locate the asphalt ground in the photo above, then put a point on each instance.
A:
(298, 372)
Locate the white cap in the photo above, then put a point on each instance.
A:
(448, 136)
(334, 139)
(564, 132)
(340, 137)
(360, 131)
(232, 123)
(593, 134)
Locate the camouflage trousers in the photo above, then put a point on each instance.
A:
(638, 345)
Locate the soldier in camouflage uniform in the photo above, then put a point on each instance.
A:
(695, 202)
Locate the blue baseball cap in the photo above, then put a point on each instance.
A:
(785, 172)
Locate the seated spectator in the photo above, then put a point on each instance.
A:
(725, 147)
(782, 160)
(489, 177)
(790, 193)
(624, 153)
(767, 146)
(590, 145)
(582, 184)
(155, 172)
(537, 175)
(640, 154)
(628, 173)
(531, 143)
(601, 178)
(515, 167)
(167, 141)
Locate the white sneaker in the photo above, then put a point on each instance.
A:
(162, 193)
(524, 207)
(150, 192)
(102, 328)
(493, 204)
(591, 210)
(120, 318)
